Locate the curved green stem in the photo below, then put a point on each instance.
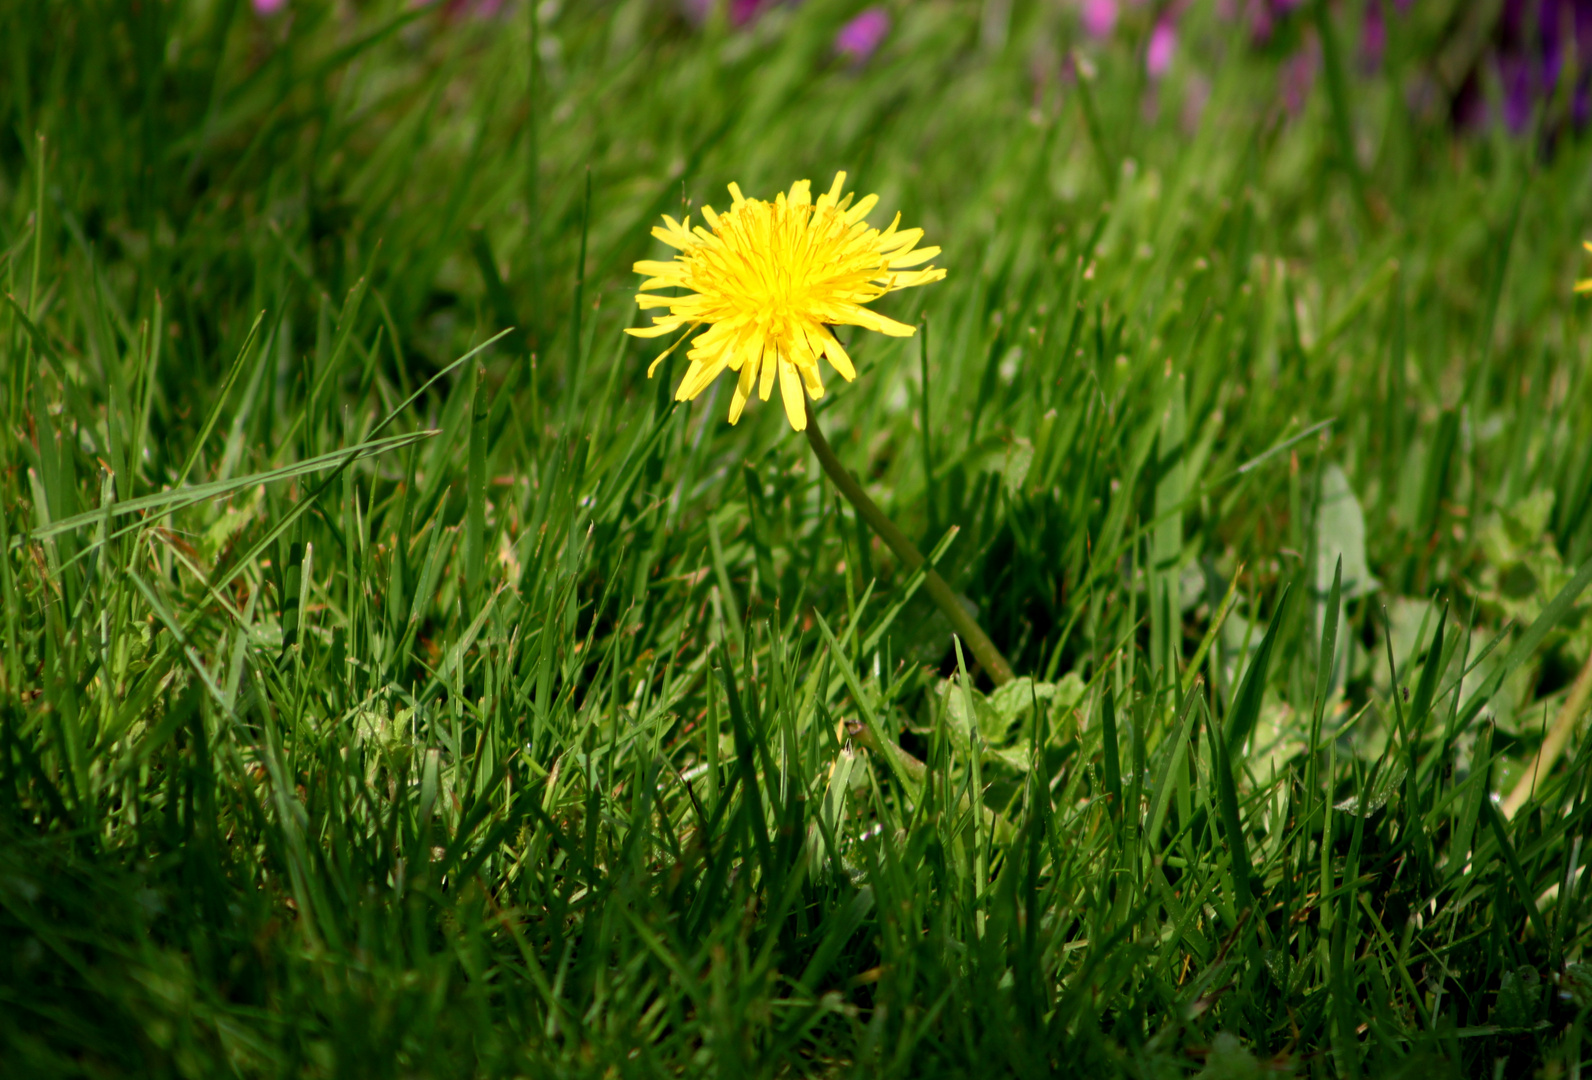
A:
(983, 648)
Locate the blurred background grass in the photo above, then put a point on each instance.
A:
(397, 683)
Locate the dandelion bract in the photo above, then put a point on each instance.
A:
(769, 281)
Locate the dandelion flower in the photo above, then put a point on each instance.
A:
(769, 281)
(1585, 286)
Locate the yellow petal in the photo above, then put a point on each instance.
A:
(839, 359)
(835, 189)
(770, 362)
(699, 378)
(790, 389)
(743, 390)
(872, 320)
(718, 336)
(664, 355)
(645, 301)
(799, 351)
(813, 381)
(860, 211)
(911, 258)
(664, 326)
(915, 277)
(901, 244)
(672, 239)
(676, 234)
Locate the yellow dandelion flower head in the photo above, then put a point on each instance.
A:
(769, 281)
(1585, 286)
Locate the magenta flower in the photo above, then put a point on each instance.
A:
(266, 8)
(1264, 15)
(1099, 17)
(1373, 37)
(1533, 43)
(1532, 56)
(861, 36)
(1298, 75)
(465, 9)
(1163, 44)
(744, 11)
(741, 11)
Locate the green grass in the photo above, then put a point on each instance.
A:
(389, 692)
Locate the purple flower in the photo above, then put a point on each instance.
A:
(462, 9)
(744, 11)
(862, 35)
(1099, 17)
(1531, 42)
(1264, 15)
(1520, 91)
(1373, 37)
(1298, 75)
(1163, 43)
(266, 8)
(741, 11)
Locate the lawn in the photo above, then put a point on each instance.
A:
(396, 681)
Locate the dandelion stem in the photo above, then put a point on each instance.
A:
(963, 623)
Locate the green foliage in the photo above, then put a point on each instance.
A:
(396, 683)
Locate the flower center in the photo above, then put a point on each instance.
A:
(766, 265)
